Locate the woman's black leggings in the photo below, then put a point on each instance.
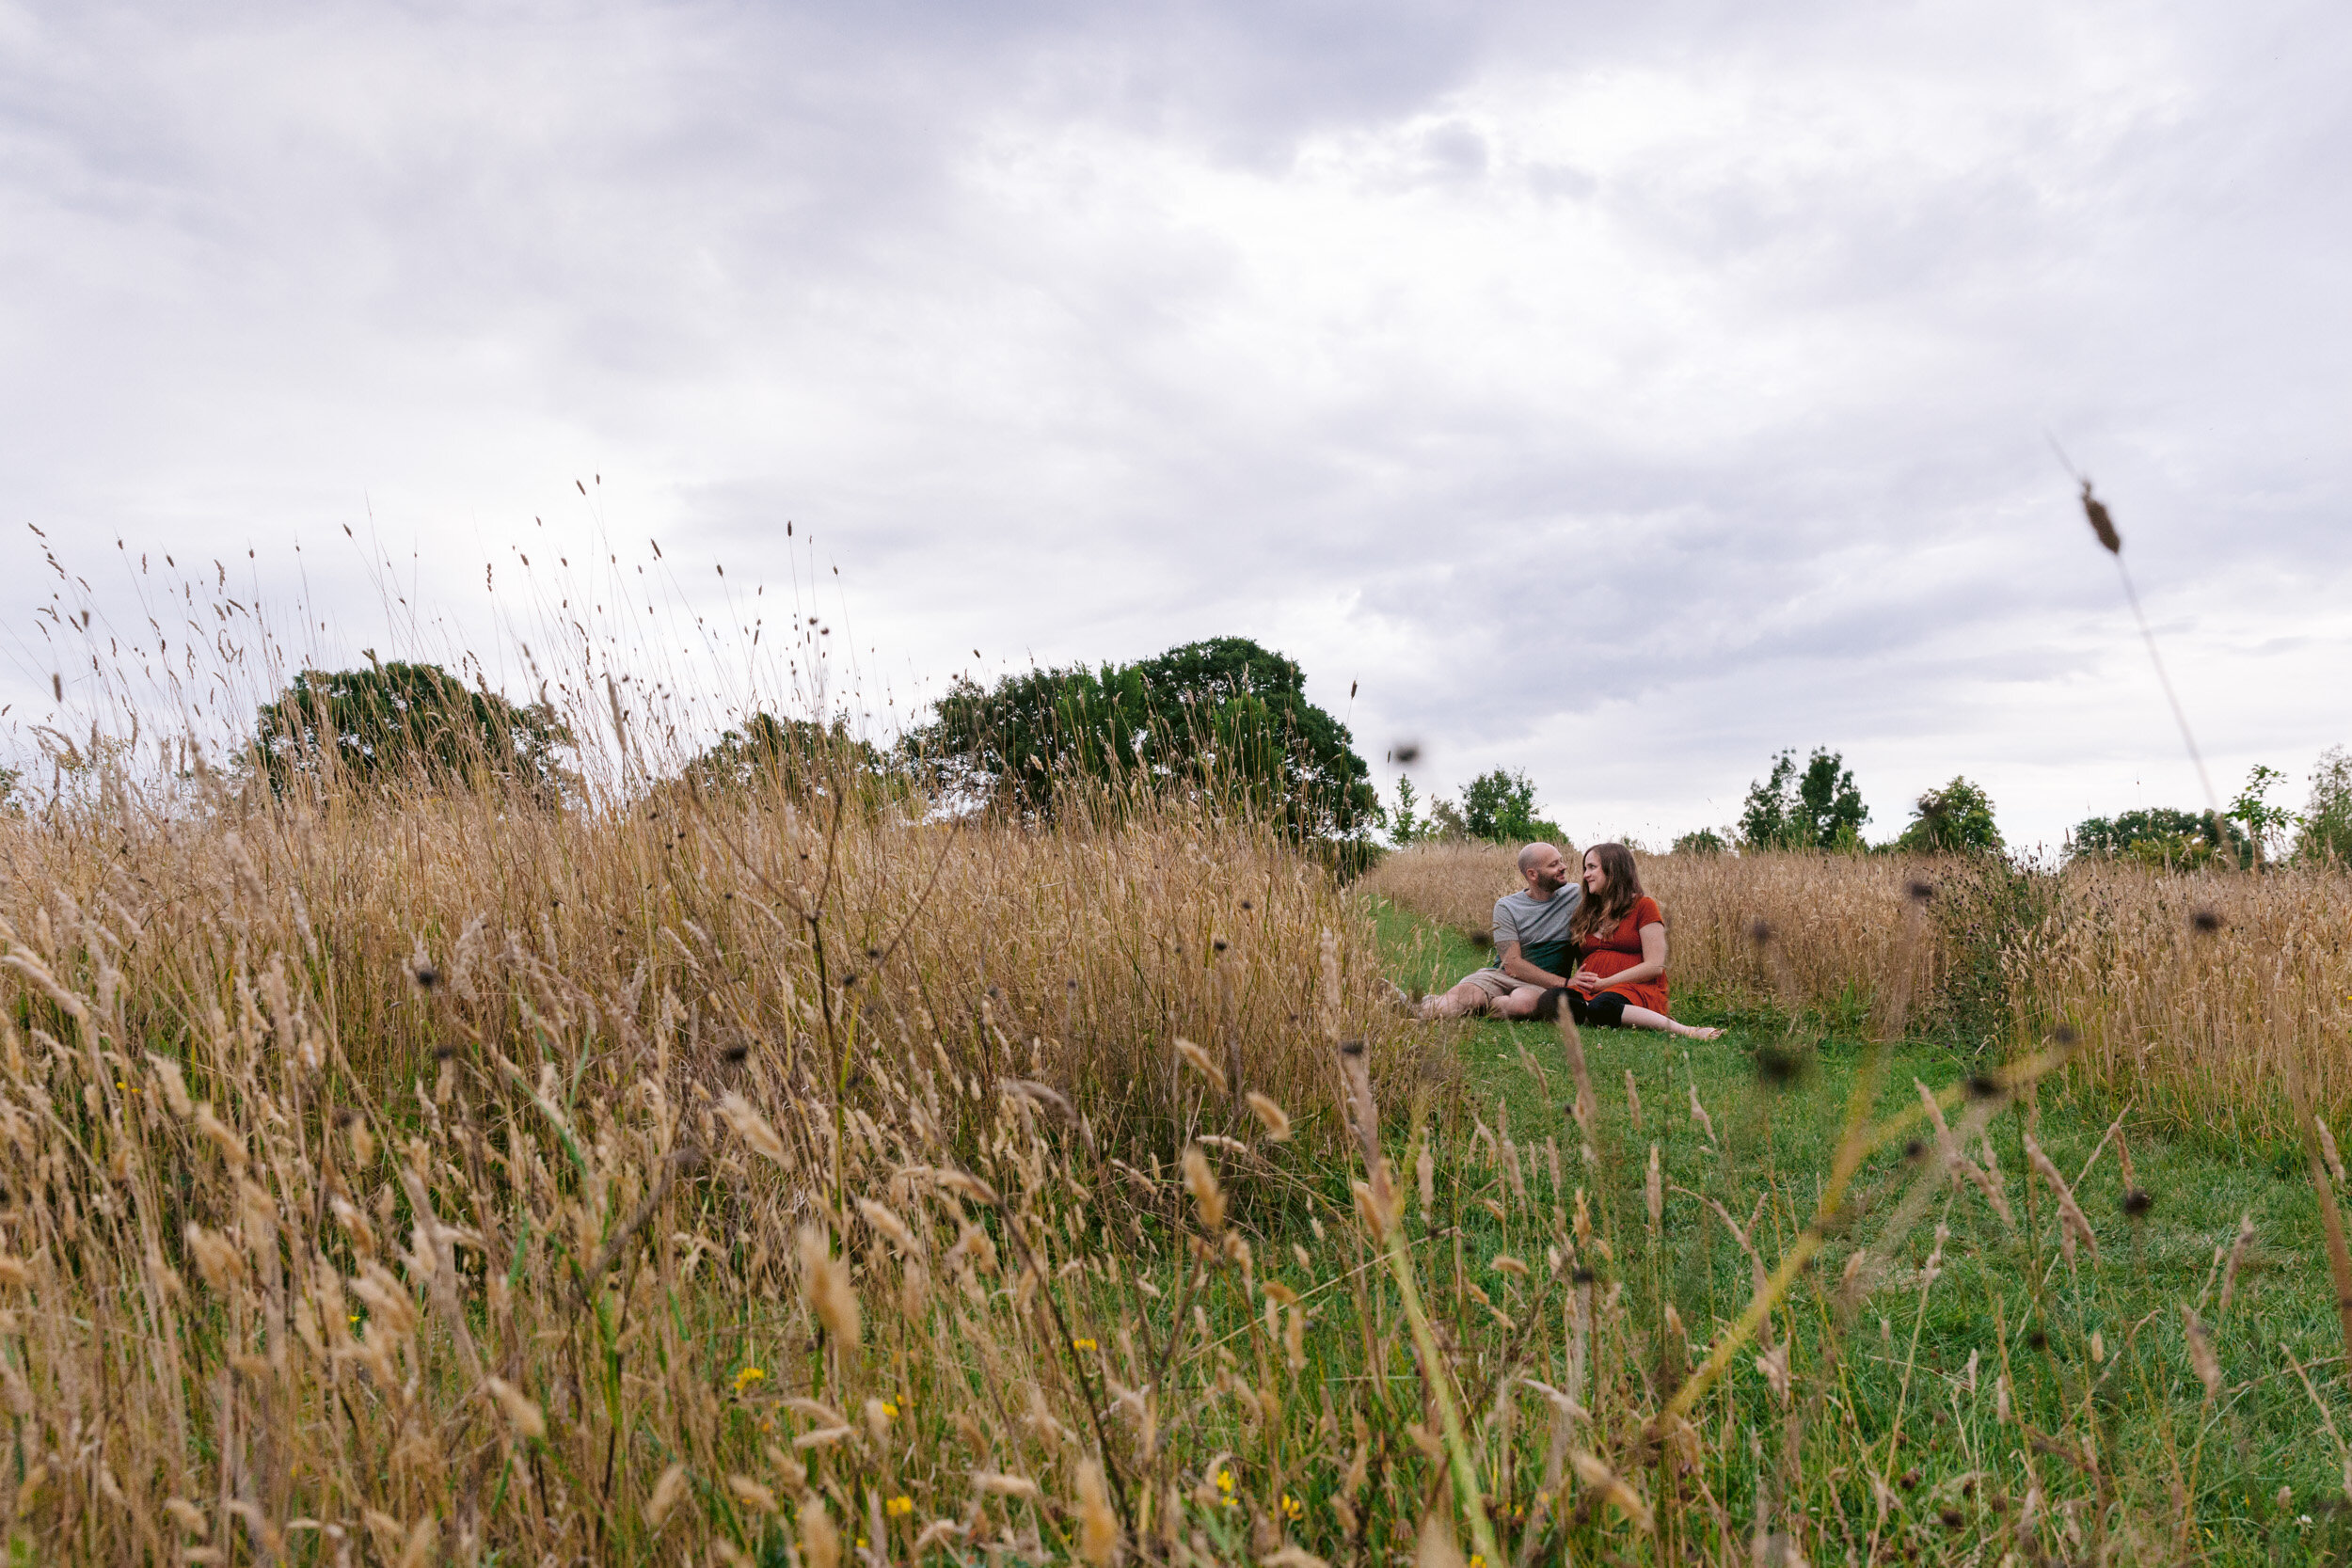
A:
(1606, 1010)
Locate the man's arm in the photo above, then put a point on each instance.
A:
(1516, 965)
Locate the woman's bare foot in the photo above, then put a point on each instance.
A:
(1692, 1033)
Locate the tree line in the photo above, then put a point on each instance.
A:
(1224, 718)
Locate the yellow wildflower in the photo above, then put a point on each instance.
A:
(748, 1376)
(1292, 1507)
(899, 1506)
(1082, 1344)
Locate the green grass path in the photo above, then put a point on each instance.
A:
(1777, 1140)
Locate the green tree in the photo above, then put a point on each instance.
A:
(1706, 841)
(801, 755)
(1222, 715)
(2160, 835)
(1953, 820)
(2264, 822)
(1500, 808)
(2326, 831)
(1819, 808)
(1406, 825)
(400, 724)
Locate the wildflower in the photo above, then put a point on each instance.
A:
(1292, 1507)
(748, 1376)
(890, 1409)
(899, 1506)
(1478, 1559)
(1082, 1344)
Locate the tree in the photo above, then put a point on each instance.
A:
(1499, 807)
(1706, 841)
(1954, 820)
(1223, 714)
(400, 724)
(1816, 809)
(1405, 824)
(2326, 833)
(801, 755)
(2263, 821)
(2161, 836)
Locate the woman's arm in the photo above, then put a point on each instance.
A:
(1653, 964)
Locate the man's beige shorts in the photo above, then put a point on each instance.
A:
(1493, 985)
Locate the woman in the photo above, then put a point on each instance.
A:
(1622, 935)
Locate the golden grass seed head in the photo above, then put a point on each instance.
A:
(821, 1540)
(1098, 1527)
(825, 1281)
(667, 1494)
(521, 1412)
(1207, 1195)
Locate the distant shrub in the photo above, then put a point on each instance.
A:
(1224, 718)
(1706, 841)
(1818, 808)
(2160, 836)
(1499, 807)
(2326, 833)
(393, 726)
(1953, 820)
(800, 756)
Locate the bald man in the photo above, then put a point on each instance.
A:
(1533, 953)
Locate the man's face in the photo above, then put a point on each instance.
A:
(1548, 874)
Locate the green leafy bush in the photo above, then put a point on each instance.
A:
(2326, 831)
(1954, 820)
(2161, 836)
(1499, 807)
(1819, 808)
(1224, 716)
(405, 724)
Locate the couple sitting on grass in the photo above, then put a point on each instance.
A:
(1615, 927)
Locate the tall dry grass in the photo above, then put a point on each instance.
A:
(2206, 995)
(441, 1176)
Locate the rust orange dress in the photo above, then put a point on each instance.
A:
(1608, 953)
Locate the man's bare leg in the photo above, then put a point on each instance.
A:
(1469, 998)
(1642, 1018)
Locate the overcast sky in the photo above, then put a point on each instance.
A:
(1619, 393)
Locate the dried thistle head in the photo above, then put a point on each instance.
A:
(2102, 525)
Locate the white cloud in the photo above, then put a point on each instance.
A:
(1621, 399)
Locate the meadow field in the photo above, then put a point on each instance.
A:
(782, 1174)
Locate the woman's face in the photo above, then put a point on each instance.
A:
(1595, 877)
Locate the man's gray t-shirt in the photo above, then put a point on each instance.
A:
(1540, 929)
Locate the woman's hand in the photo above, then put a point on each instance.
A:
(1586, 983)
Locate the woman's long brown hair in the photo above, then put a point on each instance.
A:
(1618, 897)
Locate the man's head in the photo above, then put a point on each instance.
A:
(1544, 869)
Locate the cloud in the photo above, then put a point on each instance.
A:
(1621, 396)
